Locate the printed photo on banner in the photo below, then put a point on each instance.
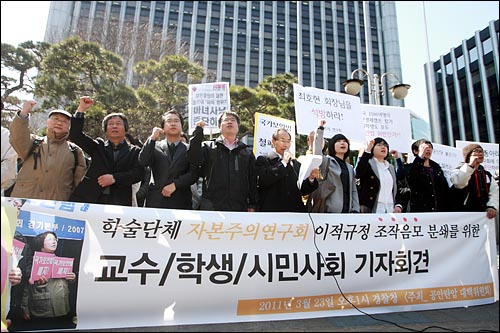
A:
(47, 250)
(206, 102)
(388, 122)
(342, 112)
(265, 126)
(491, 159)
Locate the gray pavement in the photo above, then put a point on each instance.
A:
(481, 318)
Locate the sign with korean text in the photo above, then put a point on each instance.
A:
(265, 126)
(206, 102)
(342, 112)
(42, 265)
(182, 267)
(390, 123)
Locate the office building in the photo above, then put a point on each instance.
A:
(241, 42)
(464, 84)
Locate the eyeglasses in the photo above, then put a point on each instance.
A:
(64, 120)
(478, 151)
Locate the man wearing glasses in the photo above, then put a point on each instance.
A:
(52, 167)
(167, 159)
(227, 167)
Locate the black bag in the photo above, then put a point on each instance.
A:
(317, 199)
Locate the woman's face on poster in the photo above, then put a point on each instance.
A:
(50, 244)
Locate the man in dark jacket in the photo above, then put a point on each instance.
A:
(428, 184)
(172, 172)
(278, 174)
(114, 162)
(227, 167)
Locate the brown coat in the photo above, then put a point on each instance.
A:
(53, 179)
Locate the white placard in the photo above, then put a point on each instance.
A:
(265, 125)
(206, 102)
(342, 112)
(390, 123)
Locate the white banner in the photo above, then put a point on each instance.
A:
(157, 267)
(342, 112)
(265, 125)
(206, 102)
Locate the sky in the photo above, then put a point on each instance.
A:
(448, 23)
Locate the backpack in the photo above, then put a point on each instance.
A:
(35, 151)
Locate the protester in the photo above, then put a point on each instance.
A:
(278, 173)
(474, 188)
(46, 302)
(428, 184)
(52, 166)
(9, 161)
(377, 190)
(343, 197)
(115, 165)
(227, 167)
(167, 159)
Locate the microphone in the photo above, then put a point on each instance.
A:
(291, 157)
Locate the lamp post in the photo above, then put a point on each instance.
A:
(375, 85)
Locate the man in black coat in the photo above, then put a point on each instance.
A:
(278, 173)
(114, 163)
(227, 167)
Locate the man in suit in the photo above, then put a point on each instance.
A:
(114, 163)
(171, 170)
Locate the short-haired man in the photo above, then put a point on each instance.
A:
(114, 163)
(167, 159)
(227, 167)
(52, 167)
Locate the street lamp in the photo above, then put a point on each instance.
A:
(375, 85)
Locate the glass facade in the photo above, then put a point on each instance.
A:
(465, 83)
(241, 42)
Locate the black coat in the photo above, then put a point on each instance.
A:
(278, 190)
(167, 169)
(229, 179)
(126, 169)
(428, 193)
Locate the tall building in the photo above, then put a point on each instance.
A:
(464, 83)
(241, 42)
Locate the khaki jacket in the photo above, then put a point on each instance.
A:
(53, 179)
